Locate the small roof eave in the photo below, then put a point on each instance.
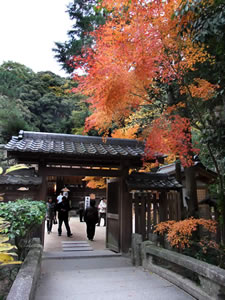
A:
(152, 181)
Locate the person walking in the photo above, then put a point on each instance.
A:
(102, 211)
(63, 216)
(81, 210)
(91, 219)
(50, 214)
(59, 198)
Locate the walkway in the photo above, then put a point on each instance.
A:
(54, 243)
(97, 274)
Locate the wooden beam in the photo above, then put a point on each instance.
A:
(76, 160)
(51, 171)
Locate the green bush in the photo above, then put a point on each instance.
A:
(23, 215)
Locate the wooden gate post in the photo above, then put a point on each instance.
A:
(191, 188)
(125, 211)
(43, 190)
(42, 197)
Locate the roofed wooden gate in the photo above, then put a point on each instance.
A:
(72, 155)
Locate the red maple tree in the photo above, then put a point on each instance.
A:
(139, 47)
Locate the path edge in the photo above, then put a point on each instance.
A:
(24, 285)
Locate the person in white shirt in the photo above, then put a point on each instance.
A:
(59, 198)
(102, 211)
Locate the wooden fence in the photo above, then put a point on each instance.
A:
(153, 207)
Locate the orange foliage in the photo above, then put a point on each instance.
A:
(201, 89)
(171, 135)
(180, 234)
(95, 182)
(139, 45)
(125, 133)
(164, 227)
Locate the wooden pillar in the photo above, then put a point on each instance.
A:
(59, 184)
(125, 211)
(143, 217)
(43, 189)
(42, 197)
(149, 196)
(163, 206)
(137, 214)
(154, 212)
(178, 171)
(191, 188)
(178, 174)
(180, 206)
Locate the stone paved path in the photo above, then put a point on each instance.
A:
(96, 275)
(102, 278)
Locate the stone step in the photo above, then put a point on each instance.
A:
(78, 254)
(75, 242)
(78, 249)
(76, 246)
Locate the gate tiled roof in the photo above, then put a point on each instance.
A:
(19, 180)
(152, 181)
(69, 144)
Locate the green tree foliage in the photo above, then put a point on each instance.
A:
(37, 101)
(78, 115)
(12, 117)
(23, 215)
(86, 18)
(12, 77)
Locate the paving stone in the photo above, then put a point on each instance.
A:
(102, 279)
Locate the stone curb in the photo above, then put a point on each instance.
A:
(23, 287)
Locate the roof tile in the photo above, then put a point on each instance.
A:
(148, 181)
(74, 144)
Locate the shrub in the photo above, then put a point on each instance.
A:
(6, 257)
(23, 215)
(185, 236)
(8, 265)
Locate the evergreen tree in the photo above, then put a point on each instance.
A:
(86, 18)
(40, 101)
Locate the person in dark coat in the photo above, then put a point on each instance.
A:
(50, 214)
(63, 216)
(91, 219)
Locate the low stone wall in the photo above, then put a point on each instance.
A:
(201, 280)
(7, 276)
(23, 287)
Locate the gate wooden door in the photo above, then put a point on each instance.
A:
(113, 219)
